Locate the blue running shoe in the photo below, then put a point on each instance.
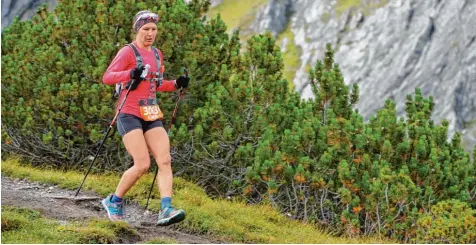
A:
(114, 210)
(170, 215)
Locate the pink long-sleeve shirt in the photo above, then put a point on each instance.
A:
(120, 69)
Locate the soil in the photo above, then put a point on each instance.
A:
(57, 203)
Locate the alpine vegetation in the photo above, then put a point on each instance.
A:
(240, 132)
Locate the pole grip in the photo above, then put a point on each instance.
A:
(145, 71)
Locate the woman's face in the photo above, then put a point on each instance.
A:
(146, 34)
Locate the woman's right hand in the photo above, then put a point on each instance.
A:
(137, 72)
(136, 77)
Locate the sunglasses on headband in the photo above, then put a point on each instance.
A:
(150, 16)
(147, 17)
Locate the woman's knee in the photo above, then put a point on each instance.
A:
(164, 160)
(142, 163)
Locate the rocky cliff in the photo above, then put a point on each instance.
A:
(388, 47)
(24, 9)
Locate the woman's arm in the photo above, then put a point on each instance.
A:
(167, 85)
(118, 69)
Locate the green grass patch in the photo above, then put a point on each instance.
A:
(237, 13)
(344, 5)
(21, 225)
(232, 221)
(368, 9)
(160, 240)
(291, 55)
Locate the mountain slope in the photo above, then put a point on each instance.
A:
(389, 48)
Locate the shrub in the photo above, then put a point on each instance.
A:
(330, 166)
(56, 109)
(449, 221)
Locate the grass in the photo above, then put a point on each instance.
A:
(291, 55)
(231, 221)
(237, 13)
(21, 225)
(344, 5)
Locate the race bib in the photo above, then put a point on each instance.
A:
(150, 110)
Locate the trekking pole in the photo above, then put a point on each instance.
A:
(172, 122)
(143, 75)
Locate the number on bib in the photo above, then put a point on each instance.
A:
(151, 112)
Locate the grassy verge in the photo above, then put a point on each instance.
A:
(20, 225)
(236, 13)
(231, 221)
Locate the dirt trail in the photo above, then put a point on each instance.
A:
(57, 203)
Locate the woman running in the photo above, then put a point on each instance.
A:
(139, 122)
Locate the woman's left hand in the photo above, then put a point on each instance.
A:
(182, 82)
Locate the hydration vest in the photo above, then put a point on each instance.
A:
(157, 77)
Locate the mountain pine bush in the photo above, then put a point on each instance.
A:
(449, 221)
(331, 167)
(240, 131)
(56, 109)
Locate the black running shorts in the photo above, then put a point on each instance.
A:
(128, 122)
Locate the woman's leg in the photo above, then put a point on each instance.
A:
(135, 144)
(158, 143)
(134, 141)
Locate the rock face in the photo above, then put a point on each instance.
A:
(390, 48)
(24, 9)
(273, 17)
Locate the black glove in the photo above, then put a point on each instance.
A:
(136, 78)
(182, 82)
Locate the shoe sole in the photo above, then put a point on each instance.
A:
(172, 220)
(107, 210)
